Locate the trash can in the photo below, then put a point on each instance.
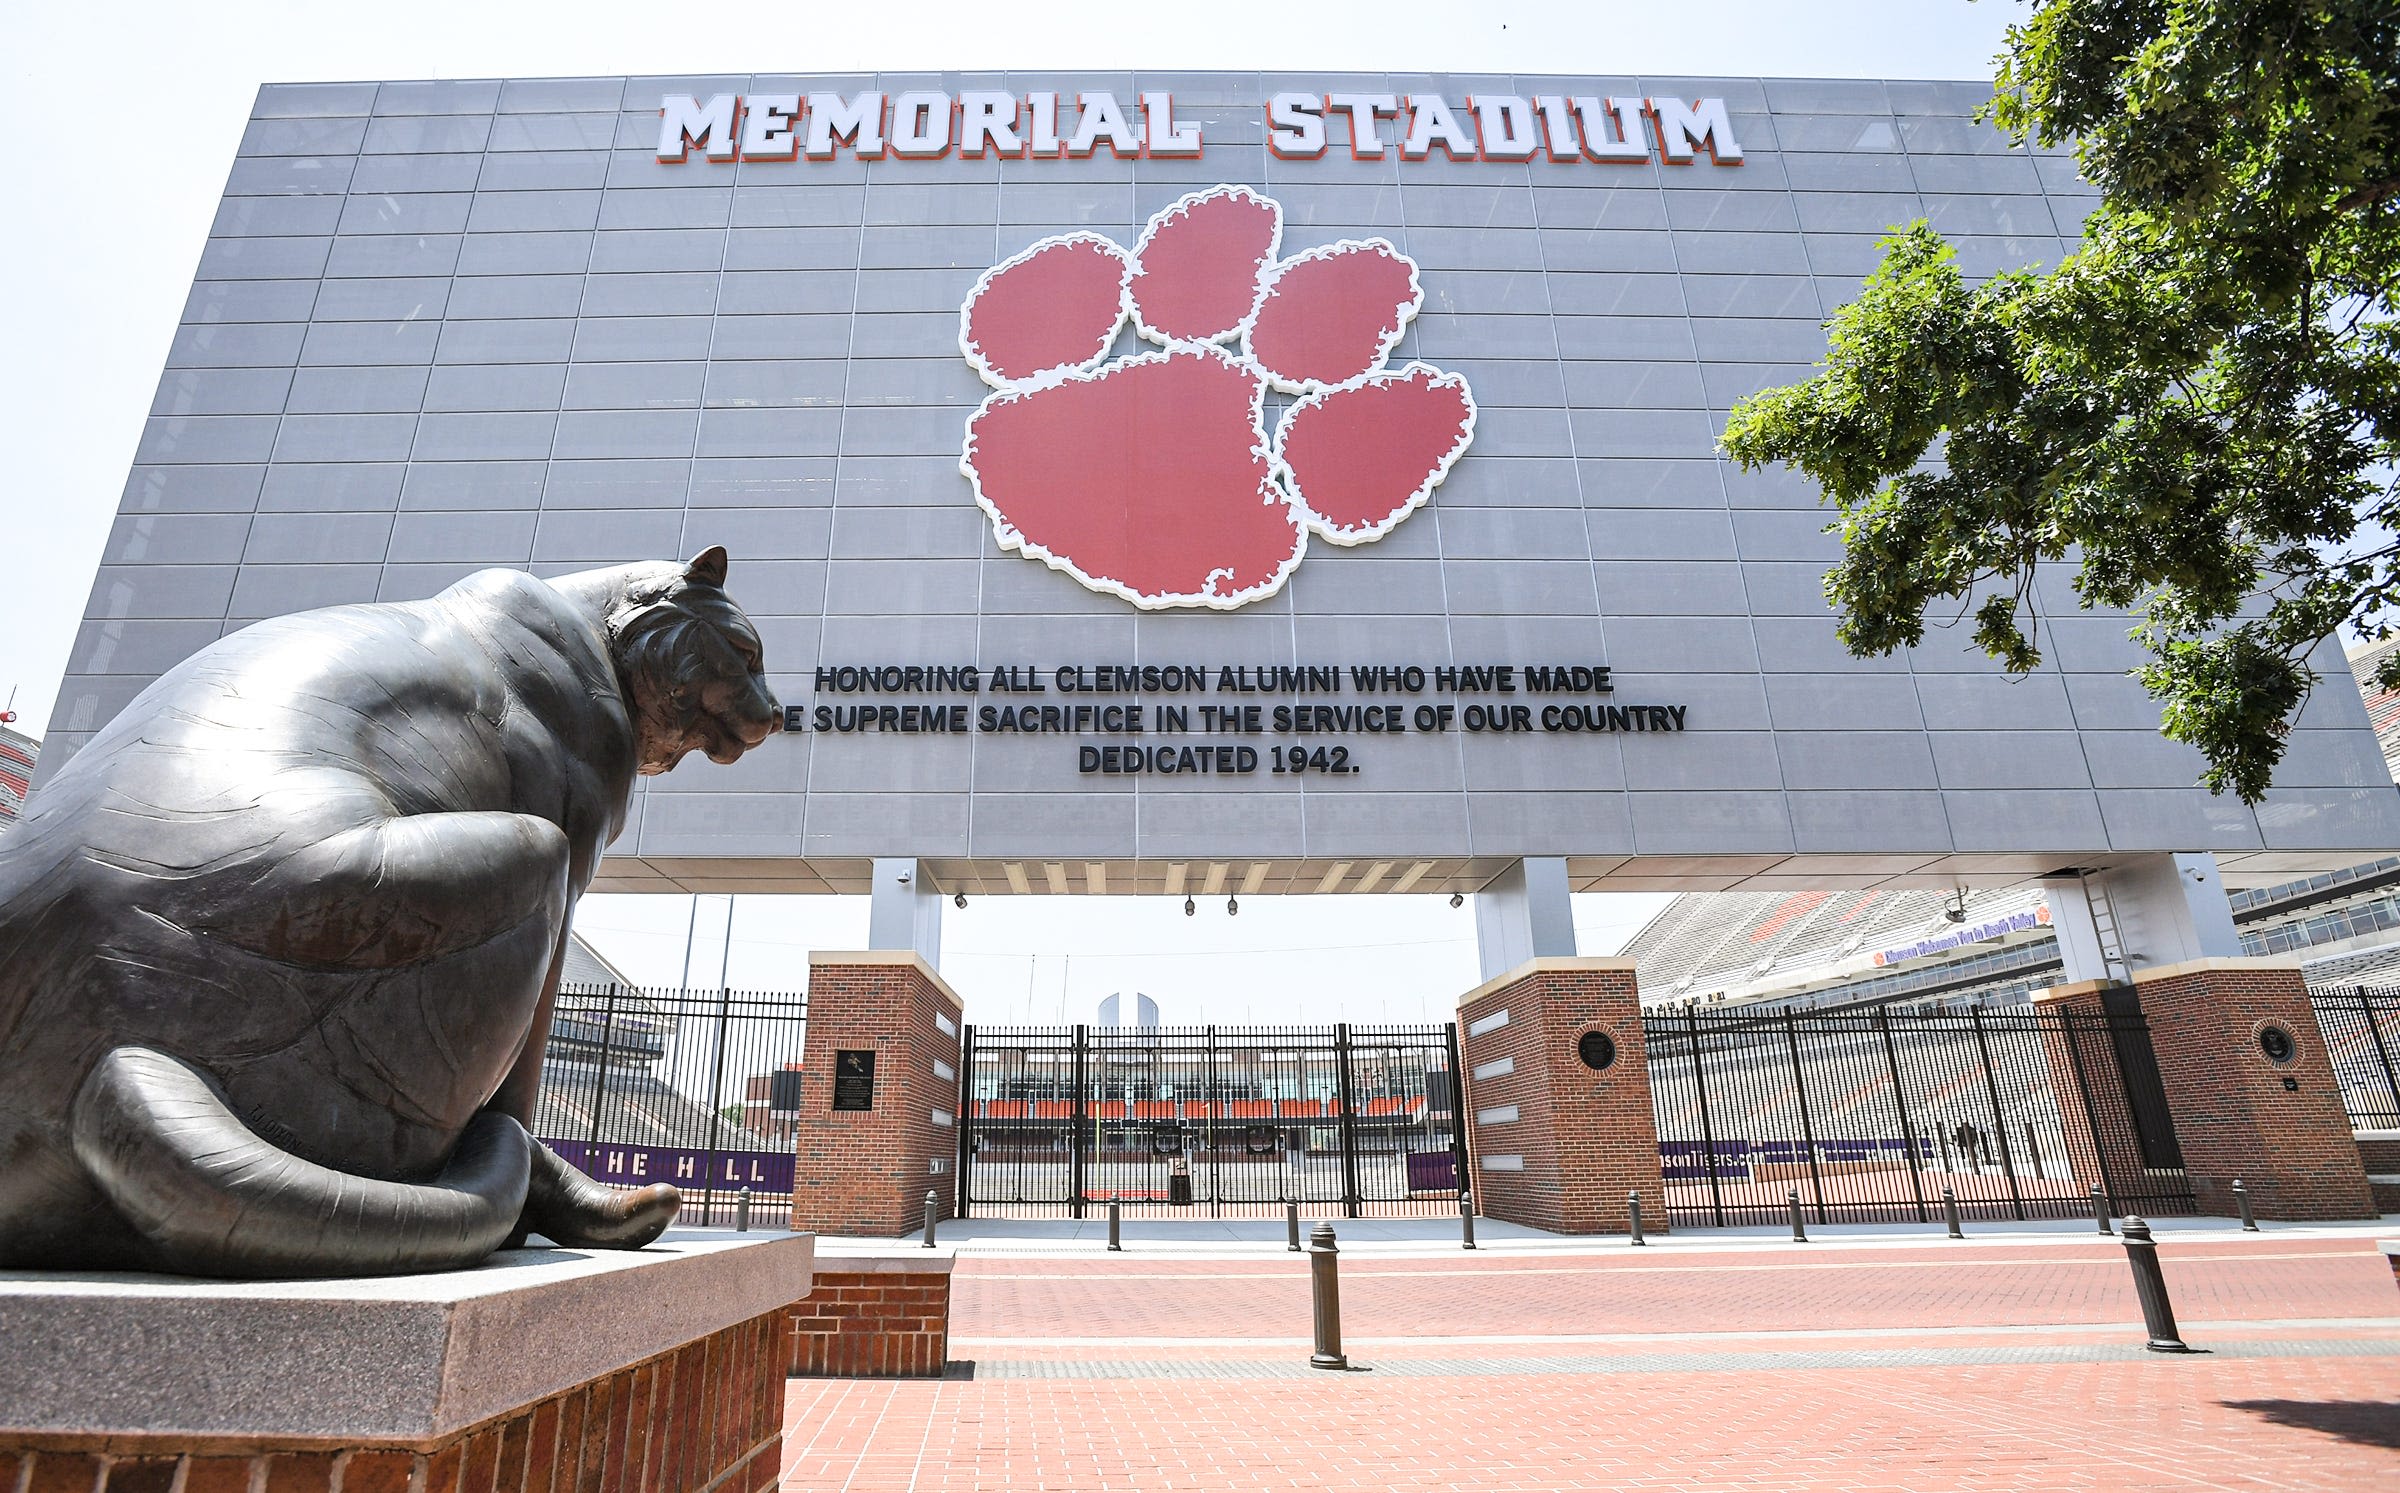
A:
(1179, 1183)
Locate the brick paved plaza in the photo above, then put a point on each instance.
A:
(1865, 1360)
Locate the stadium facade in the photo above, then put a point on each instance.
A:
(1209, 485)
(1199, 484)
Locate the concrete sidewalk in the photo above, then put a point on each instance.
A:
(1235, 1238)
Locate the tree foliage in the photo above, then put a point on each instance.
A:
(2197, 410)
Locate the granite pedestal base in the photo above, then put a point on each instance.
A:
(543, 1371)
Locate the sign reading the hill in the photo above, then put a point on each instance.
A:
(1223, 720)
(927, 124)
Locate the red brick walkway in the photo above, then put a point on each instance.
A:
(1741, 1368)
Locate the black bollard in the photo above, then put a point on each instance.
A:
(1799, 1234)
(1950, 1212)
(1115, 1219)
(2241, 1200)
(1291, 1227)
(1325, 1299)
(2149, 1283)
(1466, 1218)
(2100, 1210)
(1633, 1216)
(931, 1203)
(741, 1212)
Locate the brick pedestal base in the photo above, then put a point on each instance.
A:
(2380, 1151)
(2278, 1125)
(707, 1418)
(866, 1171)
(886, 1318)
(656, 1372)
(1556, 1143)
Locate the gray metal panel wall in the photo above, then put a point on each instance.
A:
(442, 326)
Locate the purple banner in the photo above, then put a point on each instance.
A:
(1432, 1171)
(636, 1166)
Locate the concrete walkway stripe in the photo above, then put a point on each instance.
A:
(1754, 1335)
(1356, 1272)
(1991, 1355)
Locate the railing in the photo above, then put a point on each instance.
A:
(2361, 1027)
(1868, 1115)
(700, 1088)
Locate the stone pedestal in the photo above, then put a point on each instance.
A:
(543, 1371)
(866, 1170)
(2245, 1105)
(1554, 1142)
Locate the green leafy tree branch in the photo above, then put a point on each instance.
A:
(2197, 410)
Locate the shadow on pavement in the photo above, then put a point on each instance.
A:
(2365, 1422)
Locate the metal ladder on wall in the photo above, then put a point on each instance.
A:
(2103, 914)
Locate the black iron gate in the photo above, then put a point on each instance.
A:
(1210, 1121)
(2361, 1028)
(700, 1088)
(1868, 1115)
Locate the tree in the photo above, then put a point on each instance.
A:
(2197, 408)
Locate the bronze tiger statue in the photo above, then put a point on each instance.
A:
(278, 947)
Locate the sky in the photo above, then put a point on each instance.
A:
(131, 115)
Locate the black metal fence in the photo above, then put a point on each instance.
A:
(1210, 1121)
(2361, 1027)
(1869, 1115)
(700, 1088)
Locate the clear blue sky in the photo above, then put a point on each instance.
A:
(129, 116)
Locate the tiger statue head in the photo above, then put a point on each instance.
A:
(690, 665)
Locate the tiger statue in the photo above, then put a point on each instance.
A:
(279, 946)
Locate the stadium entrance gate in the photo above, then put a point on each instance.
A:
(1217, 1122)
(1868, 1115)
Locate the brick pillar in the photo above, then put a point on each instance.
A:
(2279, 1126)
(867, 1171)
(875, 1317)
(2082, 1060)
(1555, 1143)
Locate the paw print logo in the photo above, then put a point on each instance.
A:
(1154, 476)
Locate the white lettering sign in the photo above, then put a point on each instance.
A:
(926, 124)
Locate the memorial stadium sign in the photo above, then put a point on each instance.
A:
(928, 124)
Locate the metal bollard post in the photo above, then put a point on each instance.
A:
(2149, 1283)
(2241, 1200)
(1466, 1218)
(2100, 1210)
(741, 1212)
(1115, 1241)
(1291, 1227)
(1633, 1215)
(931, 1203)
(1799, 1234)
(1325, 1299)
(1950, 1212)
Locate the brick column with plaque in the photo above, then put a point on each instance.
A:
(879, 1085)
(2252, 1090)
(1558, 1097)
